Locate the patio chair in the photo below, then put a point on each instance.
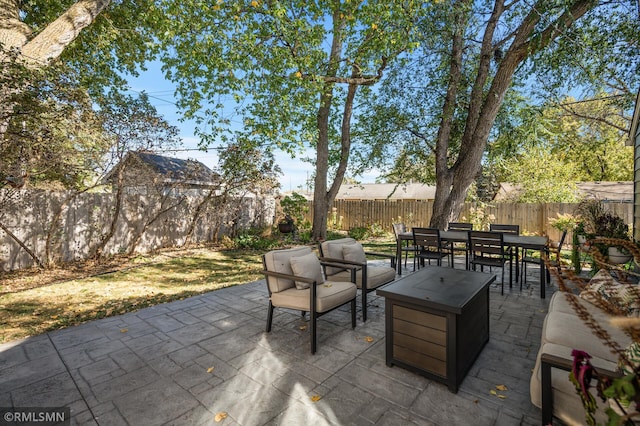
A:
(514, 252)
(553, 253)
(461, 247)
(487, 249)
(430, 247)
(348, 252)
(400, 228)
(295, 281)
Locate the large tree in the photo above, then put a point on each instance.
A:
(292, 68)
(465, 77)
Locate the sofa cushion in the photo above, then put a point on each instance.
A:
(569, 330)
(559, 302)
(307, 266)
(604, 291)
(566, 402)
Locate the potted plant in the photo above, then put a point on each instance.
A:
(612, 226)
(294, 207)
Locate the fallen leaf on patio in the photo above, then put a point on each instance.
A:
(501, 396)
(303, 327)
(210, 369)
(475, 401)
(220, 416)
(501, 387)
(316, 398)
(369, 339)
(124, 330)
(328, 285)
(493, 392)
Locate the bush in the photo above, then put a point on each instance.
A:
(254, 240)
(363, 232)
(359, 233)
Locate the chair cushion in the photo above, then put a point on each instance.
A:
(376, 276)
(279, 261)
(307, 266)
(329, 295)
(354, 253)
(333, 249)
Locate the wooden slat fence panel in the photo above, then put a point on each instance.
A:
(533, 218)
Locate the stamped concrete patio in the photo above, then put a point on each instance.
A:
(184, 362)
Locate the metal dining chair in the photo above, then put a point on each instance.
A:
(400, 228)
(514, 252)
(461, 247)
(430, 246)
(552, 252)
(487, 249)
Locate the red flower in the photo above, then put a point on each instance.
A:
(582, 370)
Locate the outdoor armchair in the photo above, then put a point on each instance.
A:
(295, 281)
(348, 252)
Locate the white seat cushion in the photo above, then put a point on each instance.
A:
(329, 295)
(376, 276)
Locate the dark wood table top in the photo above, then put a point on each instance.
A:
(445, 289)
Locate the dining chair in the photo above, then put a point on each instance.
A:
(487, 249)
(553, 254)
(429, 246)
(461, 246)
(346, 253)
(295, 281)
(514, 252)
(407, 247)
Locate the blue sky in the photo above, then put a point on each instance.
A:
(161, 95)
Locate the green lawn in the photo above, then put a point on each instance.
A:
(34, 309)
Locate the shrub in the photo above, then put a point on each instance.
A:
(359, 232)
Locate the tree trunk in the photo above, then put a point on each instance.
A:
(484, 106)
(23, 245)
(444, 177)
(104, 239)
(196, 215)
(321, 196)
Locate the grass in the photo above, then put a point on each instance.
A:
(35, 302)
(61, 304)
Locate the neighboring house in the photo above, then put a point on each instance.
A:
(634, 141)
(142, 169)
(386, 191)
(607, 192)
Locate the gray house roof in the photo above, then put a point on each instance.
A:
(170, 170)
(384, 191)
(614, 192)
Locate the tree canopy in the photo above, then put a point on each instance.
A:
(292, 69)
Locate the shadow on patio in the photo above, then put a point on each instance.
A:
(185, 362)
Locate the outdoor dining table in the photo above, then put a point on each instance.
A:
(510, 240)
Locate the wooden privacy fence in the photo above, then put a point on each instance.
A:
(533, 218)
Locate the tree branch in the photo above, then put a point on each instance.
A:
(50, 43)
